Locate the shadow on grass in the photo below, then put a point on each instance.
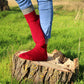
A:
(70, 54)
(29, 37)
(7, 82)
(81, 72)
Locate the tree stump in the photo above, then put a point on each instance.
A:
(57, 69)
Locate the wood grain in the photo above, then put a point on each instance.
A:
(56, 69)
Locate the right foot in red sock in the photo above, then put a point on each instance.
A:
(39, 53)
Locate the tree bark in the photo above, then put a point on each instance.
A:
(57, 69)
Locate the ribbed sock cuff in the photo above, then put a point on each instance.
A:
(28, 10)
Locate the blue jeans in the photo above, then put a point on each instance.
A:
(45, 13)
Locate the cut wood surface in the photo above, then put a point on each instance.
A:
(56, 69)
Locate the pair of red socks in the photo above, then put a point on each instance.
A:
(39, 52)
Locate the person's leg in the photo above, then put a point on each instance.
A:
(39, 53)
(46, 16)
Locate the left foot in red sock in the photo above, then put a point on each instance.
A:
(39, 53)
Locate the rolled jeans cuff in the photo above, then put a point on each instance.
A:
(23, 4)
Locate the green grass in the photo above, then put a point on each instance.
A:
(15, 36)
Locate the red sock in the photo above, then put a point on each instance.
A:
(39, 53)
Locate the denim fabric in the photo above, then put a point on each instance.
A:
(23, 4)
(46, 16)
(45, 12)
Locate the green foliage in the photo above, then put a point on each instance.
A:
(15, 35)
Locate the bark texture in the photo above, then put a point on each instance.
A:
(57, 69)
